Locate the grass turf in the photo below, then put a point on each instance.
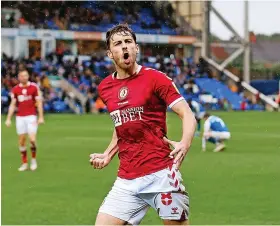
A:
(238, 186)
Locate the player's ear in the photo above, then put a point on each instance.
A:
(137, 48)
(109, 54)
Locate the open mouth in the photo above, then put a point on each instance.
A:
(125, 56)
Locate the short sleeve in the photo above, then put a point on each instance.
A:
(13, 93)
(100, 93)
(37, 93)
(165, 89)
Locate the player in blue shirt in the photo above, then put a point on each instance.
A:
(198, 111)
(215, 131)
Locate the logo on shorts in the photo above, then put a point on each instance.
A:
(166, 199)
(123, 93)
(174, 210)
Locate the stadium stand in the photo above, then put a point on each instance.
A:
(192, 80)
(267, 87)
(89, 16)
(79, 78)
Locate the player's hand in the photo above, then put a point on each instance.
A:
(8, 122)
(179, 152)
(99, 161)
(41, 121)
(206, 135)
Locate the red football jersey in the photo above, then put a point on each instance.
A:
(26, 98)
(137, 106)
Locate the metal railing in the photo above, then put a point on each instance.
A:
(73, 92)
(247, 86)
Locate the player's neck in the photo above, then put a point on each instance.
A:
(123, 74)
(24, 84)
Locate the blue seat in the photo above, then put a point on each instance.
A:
(219, 90)
(59, 106)
(267, 87)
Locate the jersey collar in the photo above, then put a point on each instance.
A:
(28, 84)
(137, 71)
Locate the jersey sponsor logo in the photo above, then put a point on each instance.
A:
(166, 199)
(120, 117)
(123, 93)
(116, 117)
(22, 98)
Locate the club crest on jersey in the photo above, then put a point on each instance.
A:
(123, 93)
(24, 91)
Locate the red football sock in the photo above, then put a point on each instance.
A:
(23, 156)
(33, 151)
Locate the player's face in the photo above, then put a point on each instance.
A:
(123, 50)
(23, 77)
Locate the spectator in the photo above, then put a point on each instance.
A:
(191, 87)
(180, 80)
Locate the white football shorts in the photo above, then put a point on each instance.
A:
(26, 124)
(129, 200)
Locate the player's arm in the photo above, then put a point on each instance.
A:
(167, 91)
(11, 111)
(112, 149)
(183, 110)
(181, 148)
(99, 161)
(39, 102)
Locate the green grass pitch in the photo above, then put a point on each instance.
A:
(238, 186)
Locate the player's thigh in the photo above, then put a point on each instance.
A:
(106, 219)
(21, 125)
(122, 203)
(22, 139)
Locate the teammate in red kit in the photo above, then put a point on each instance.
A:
(25, 96)
(137, 98)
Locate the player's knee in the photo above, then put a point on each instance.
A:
(22, 143)
(21, 140)
(32, 144)
(32, 140)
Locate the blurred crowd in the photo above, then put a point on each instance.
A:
(64, 14)
(86, 75)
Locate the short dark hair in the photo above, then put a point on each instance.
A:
(120, 28)
(207, 115)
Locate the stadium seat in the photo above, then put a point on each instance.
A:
(220, 91)
(59, 106)
(267, 87)
(47, 107)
